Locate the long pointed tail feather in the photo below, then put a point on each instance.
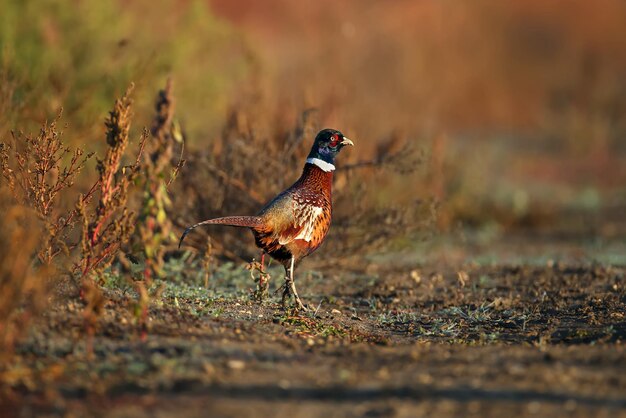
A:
(239, 221)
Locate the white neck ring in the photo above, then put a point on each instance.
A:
(323, 165)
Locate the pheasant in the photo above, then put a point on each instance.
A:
(295, 223)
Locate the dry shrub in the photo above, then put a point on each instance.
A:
(38, 170)
(23, 285)
(112, 223)
(361, 223)
(248, 165)
(37, 173)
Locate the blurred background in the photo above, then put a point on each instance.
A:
(514, 111)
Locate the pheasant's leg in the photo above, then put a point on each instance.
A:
(286, 287)
(292, 285)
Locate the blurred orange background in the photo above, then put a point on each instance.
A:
(524, 100)
(519, 106)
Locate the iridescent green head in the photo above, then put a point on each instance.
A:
(327, 145)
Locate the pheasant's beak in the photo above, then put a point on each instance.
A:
(346, 141)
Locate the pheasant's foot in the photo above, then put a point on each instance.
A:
(301, 306)
(296, 298)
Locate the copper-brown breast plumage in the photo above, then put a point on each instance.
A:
(297, 221)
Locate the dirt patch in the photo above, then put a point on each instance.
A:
(475, 340)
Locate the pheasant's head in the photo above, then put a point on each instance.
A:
(327, 145)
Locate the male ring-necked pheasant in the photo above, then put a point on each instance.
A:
(295, 223)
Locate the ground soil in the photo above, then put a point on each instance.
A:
(445, 340)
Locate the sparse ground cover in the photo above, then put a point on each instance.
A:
(431, 339)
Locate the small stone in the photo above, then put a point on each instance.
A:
(335, 312)
(416, 277)
(236, 364)
(462, 278)
(383, 373)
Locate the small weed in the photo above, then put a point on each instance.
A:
(485, 281)
(158, 170)
(115, 281)
(398, 318)
(307, 326)
(480, 314)
(263, 280)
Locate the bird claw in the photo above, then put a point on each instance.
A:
(301, 306)
(287, 292)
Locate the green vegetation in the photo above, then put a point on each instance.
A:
(82, 55)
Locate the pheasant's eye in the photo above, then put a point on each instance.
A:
(334, 140)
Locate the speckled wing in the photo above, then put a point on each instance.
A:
(305, 217)
(311, 220)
